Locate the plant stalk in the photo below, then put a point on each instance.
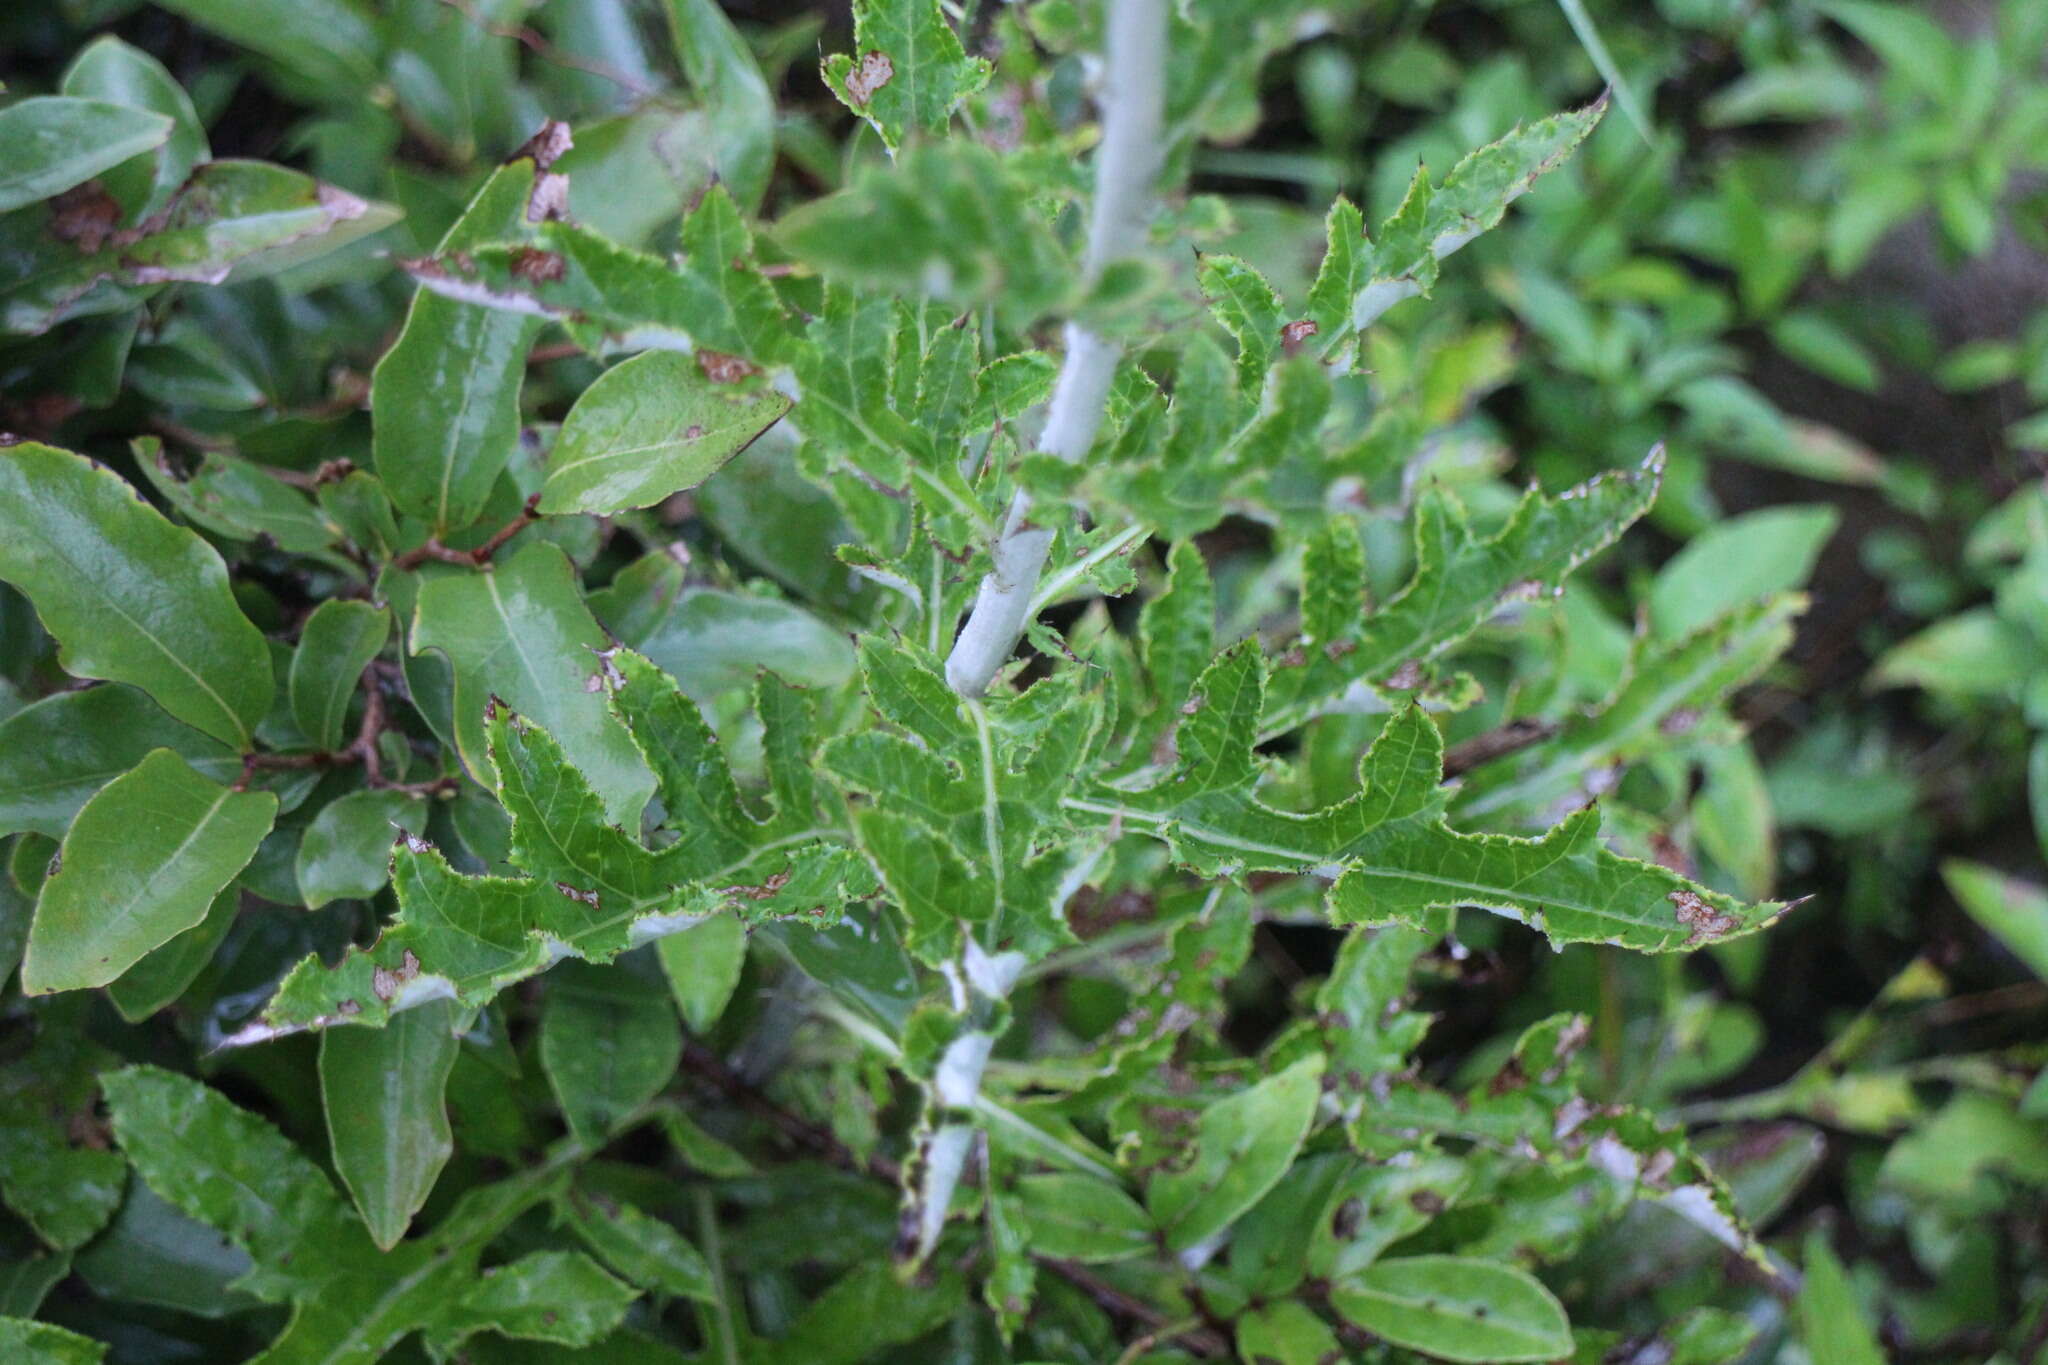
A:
(1133, 108)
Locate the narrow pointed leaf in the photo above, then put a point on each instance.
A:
(445, 397)
(1243, 1144)
(338, 642)
(382, 1090)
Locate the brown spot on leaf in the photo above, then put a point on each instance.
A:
(589, 898)
(758, 893)
(696, 430)
(1193, 704)
(1406, 678)
(721, 368)
(1706, 923)
(873, 71)
(1681, 721)
(532, 264)
(546, 146)
(84, 217)
(1295, 333)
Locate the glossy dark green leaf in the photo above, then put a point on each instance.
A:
(111, 70)
(63, 1189)
(649, 427)
(55, 753)
(162, 976)
(129, 596)
(445, 397)
(521, 633)
(338, 642)
(140, 865)
(236, 498)
(55, 142)
(1456, 1308)
(609, 1041)
(330, 43)
(382, 1090)
(238, 219)
(345, 853)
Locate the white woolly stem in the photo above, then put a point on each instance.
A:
(1127, 163)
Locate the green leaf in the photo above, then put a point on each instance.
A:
(1461, 579)
(1832, 1323)
(55, 753)
(1588, 34)
(711, 641)
(235, 1172)
(129, 596)
(162, 976)
(649, 427)
(908, 71)
(868, 1308)
(647, 1251)
(595, 892)
(1456, 1309)
(1669, 690)
(950, 221)
(63, 1189)
(1737, 561)
(520, 632)
(111, 70)
(1912, 45)
(238, 500)
(153, 1254)
(1242, 1145)
(722, 70)
(703, 965)
(332, 44)
(230, 219)
(1973, 653)
(1082, 1218)
(557, 1296)
(609, 1042)
(337, 643)
(1286, 1333)
(1566, 884)
(1434, 222)
(382, 1090)
(2013, 911)
(56, 141)
(345, 854)
(445, 398)
(140, 864)
(39, 1343)
(714, 301)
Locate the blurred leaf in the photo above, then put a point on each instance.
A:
(1831, 1321)
(2013, 911)
(1736, 562)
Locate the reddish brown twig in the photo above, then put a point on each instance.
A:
(1497, 743)
(478, 558)
(360, 750)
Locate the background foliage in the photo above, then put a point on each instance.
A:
(523, 889)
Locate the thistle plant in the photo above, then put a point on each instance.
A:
(766, 684)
